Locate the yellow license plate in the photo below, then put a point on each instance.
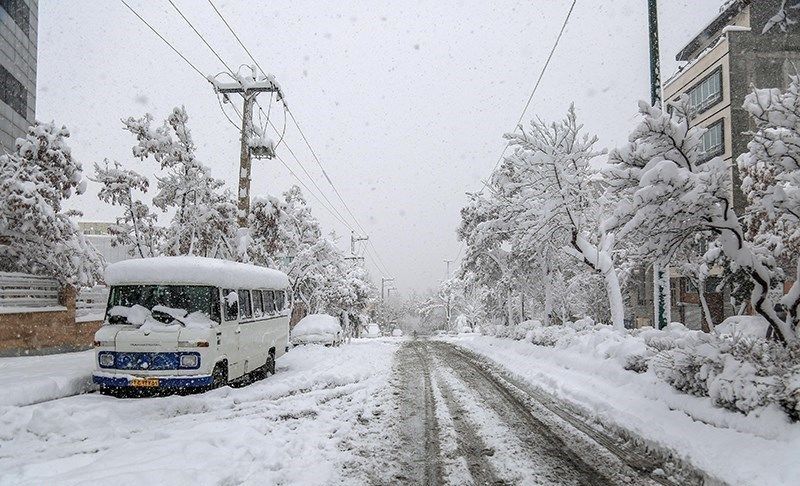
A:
(144, 382)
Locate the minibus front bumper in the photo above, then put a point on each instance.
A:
(151, 382)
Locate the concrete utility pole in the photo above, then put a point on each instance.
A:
(353, 240)
(383, 286)
(249, 88)
(447, 274)
(661, 290)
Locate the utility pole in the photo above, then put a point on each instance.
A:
(353, 240)
(655, 63)
(383, 286)
(447, 274)
(253, 144)
(661, 284)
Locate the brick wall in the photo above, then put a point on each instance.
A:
(46, 332)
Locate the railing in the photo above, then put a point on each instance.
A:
(90, 303)
(20, 292)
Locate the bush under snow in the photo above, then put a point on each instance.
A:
(735, 370)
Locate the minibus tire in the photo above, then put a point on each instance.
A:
(269, 368)
(219, 375)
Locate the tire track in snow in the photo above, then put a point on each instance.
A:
(618, 456)
(456, 469)
(526, 449)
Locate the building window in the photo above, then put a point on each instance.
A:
(713, 141)
(20, 12)
(13, 93)
(706, 93)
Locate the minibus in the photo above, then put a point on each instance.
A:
(190, 322)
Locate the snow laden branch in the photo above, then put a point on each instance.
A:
(37, 235)
(203, 208)
(667, 192)
(137, 228)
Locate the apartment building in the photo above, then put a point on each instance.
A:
(732, 54)
(18, 51)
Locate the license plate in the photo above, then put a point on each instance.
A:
(144, 382)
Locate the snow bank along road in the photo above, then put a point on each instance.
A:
(370, 412)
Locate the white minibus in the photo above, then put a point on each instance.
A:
(190, 322)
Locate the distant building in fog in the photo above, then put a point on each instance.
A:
(96, 233)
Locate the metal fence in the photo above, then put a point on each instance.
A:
(90, 303)
(22, 292)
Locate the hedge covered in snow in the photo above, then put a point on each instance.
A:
(736, 371)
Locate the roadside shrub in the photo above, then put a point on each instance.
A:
(685, 370)
(736, 371)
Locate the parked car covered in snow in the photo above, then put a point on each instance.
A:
(190, 322)
(397, 332)
(373, 331)
(317, 329)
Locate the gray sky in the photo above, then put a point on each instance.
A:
(404, 102)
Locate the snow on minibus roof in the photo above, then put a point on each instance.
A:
(192, 270)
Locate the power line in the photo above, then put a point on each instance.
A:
(299, 129)
(201, 37)
(235, 35)
(337, 217)
(163, 39)
(536, 86)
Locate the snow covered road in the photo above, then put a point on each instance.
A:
(372, 412)
(287, 429)
(461, 424)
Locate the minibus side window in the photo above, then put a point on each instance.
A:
(244, 304)
(269, 302)
(215, 304)
(258, 304)
(280, 300)
(231, 299)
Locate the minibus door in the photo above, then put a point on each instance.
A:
(230, 332)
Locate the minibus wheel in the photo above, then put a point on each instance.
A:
(270, 366)
(219, 377)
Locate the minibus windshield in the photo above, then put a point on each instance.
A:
(177, 300)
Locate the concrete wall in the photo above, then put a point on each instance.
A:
(32, 333)
(18, 55)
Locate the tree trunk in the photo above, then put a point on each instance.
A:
(600, 261)
(548, 298)
(733, 245)
(706, 312)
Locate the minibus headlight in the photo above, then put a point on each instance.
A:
(106, 360)
(103, 344)
(190, 361)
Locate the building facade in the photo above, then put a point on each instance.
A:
(18, 53)
(730, 56)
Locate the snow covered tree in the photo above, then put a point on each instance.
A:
(137, 228)
(37, 235)
(285, 235)
(771, 181)
(205, 213)
(667, 193)
(549, 198)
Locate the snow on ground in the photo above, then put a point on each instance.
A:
(285, 429)
(735, 448)
(31, 379)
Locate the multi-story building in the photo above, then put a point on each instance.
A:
(18, 33)
(96, 233)
(731, 55)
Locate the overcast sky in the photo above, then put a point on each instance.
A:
(404, 102)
